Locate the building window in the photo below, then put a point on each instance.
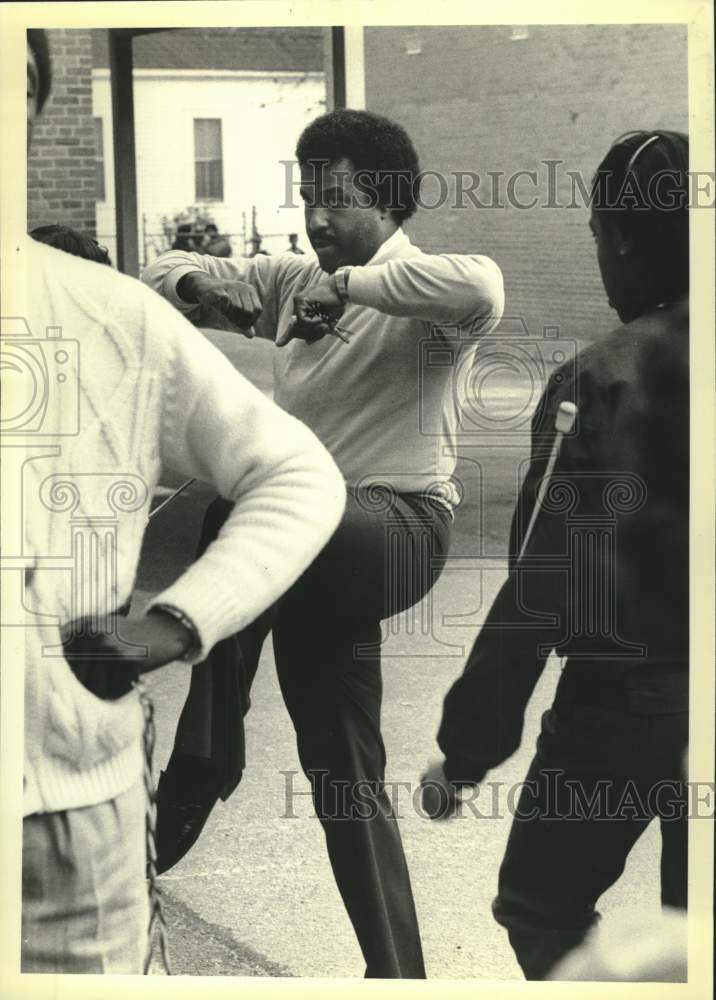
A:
(99, 159)
(207, 159)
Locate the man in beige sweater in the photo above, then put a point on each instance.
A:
(372, 339)
(133, 389)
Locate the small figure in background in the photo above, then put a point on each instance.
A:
(256, 247)
(69, 240)
(215, 243)
(293, 244)
(186, 240)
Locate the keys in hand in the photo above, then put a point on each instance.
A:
(316, 314)
(312, 324)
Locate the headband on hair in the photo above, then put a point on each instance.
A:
(640, 150)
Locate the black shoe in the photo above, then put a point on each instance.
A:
(186, 793)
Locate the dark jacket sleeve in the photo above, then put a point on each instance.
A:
(483, 712)
(632, 395)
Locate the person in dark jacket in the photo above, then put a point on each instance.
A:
(602, 581)
(293, 246)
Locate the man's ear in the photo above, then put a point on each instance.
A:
(621, 243)
(624, 246)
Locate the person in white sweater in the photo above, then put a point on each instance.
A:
(132, 389)
(373, 336)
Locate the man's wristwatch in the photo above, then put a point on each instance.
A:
(194, 646)
(340, 282)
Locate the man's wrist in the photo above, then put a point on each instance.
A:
(191, 641)
(187, 287)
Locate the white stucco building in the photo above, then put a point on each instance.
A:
(216, 113)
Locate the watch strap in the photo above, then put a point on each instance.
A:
(340, 281)
(194, 646)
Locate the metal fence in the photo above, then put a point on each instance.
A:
(154, 242)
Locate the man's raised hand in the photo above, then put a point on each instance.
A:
(236, 300)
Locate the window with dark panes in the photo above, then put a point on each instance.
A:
(99, 159)
(207, 159)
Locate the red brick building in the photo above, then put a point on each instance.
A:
(503, 99)
(61, 167)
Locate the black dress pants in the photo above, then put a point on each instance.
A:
(385, 556)
(603, 770)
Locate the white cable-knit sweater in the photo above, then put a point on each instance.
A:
(130, 388)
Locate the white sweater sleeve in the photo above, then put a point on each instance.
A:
(164, 273)
(444, 289)
(288, 494)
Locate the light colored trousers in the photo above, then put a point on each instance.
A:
(84, 894)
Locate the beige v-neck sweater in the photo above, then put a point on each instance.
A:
(389, 405)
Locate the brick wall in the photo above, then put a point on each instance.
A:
(474, 99)
(61, 172)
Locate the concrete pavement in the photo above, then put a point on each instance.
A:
(256, 895)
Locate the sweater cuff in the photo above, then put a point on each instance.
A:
(360, 285)
(204, 607)
(169, 286)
